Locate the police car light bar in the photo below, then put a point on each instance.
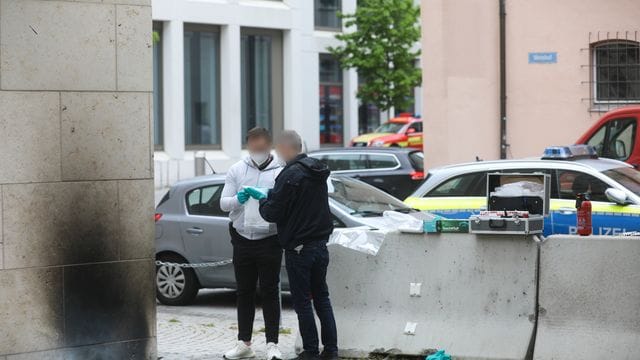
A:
(570, 152)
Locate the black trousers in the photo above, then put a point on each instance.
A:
(253, 261)
(307, 271)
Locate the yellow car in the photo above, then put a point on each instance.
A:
(402, 131)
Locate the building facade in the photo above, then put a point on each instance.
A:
(222, 67)
(77, 272)
(566, 63)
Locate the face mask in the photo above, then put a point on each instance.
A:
(259, 158)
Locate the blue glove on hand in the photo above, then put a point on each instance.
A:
(242, 196)
(255, 193)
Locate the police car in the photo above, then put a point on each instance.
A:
(459, 191)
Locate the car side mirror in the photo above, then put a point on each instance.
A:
(411, 130)
(616, 196)
(621, 149)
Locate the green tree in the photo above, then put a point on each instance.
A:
(380, 48)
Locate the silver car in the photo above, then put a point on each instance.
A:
(191, 229)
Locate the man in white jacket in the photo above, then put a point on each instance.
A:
(257, 255)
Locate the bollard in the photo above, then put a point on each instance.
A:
(199, 161)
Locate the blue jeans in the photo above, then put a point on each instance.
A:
(307, 280)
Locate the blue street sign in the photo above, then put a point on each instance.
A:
(543, 57)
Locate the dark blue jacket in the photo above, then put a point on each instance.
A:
(299, 203)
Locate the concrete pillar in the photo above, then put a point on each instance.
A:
(173, 88)
(76, 188)
(230, 97)
(351, 104)
(350, 91)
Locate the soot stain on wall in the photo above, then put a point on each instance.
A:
(103, 302)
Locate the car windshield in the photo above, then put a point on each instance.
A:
(627, 177)
(390, 127)
(358, 198)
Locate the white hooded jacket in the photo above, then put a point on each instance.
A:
(245, 173)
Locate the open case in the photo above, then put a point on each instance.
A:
(516, 204)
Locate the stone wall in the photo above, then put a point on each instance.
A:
(76, 188)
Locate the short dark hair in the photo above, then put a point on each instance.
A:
(258, 132)
(291, 138)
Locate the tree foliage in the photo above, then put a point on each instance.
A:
(381, 49)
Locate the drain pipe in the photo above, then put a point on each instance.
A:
(503, 82)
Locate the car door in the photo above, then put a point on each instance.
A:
(383, 171)
(607, 218)
(205, 232)
(616, 139)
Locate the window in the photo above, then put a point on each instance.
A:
(572, 183)
(616, 71)
(473, 184)
(201, 86)
(627, 177)
(331, 116)
(368, 118)
(380, 161)
(391, 127)
(615, 139)
(417, 126)
(157, 86)
(205, 201)
(368, 114)
(337, 223)
(339, 162)
(598, 139)
(326, 14)
(261, 78)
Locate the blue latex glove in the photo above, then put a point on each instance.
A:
(255, 193)
(242, 196)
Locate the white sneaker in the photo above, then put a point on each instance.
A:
(241, 351)
(273, 353)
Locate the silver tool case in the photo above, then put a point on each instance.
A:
(519, 215)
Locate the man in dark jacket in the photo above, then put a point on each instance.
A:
(299, 205)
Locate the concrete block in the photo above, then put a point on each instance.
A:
(57, 45)
(60, 223)
(121, 2)
(109, 302)
(30, 310)
(105, 136)
(137, 228)
(589, 298)
(477, 296)
(135, 56)
(144, 349)
(30, 136)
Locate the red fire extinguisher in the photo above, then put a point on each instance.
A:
(583, 214)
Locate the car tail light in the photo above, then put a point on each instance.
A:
(157, 216)
(417, 175)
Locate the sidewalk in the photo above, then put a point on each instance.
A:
(207, 329)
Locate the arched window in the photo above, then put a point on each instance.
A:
(616, 65)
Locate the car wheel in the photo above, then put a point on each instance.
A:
(175, 285)
(394, 145)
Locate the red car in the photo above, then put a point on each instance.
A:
(616, 135)
(402, 131)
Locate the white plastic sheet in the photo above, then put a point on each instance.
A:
(361, 239)
(403, 222)
(520, 188)
(253, 221)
